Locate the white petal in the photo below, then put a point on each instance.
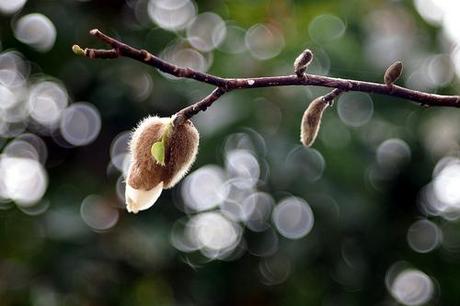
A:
(137, 199)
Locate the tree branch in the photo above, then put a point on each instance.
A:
(120, 49)
(202, 105)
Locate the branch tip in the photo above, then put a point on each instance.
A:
(94, 31)
(78, 50)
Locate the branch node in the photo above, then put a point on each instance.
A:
(147, 55)
(329, 98)
(90, 53)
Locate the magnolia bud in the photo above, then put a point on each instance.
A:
(161, 155)
(393, 73)
(311, 121)
(302, 61)
(180, 153)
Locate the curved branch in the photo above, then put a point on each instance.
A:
(202, 105)
(227, 84)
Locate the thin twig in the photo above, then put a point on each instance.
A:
(199, 106)
(329, 98)
(227, 84)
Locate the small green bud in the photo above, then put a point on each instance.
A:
(78, 51)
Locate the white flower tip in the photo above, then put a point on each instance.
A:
(137, 199)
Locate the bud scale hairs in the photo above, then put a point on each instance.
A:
(311, 121)
(393, 73)
(146, 177)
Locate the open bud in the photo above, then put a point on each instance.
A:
(393, 73)
(161, 155)
(311, 121)
(302, 61)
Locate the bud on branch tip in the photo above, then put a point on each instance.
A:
(302, 61)
(162, 153)
(78, 50)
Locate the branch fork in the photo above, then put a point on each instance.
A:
(299, 78)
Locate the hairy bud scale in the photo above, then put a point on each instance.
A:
(146, 176)
(311, 121)
(302, 61)
(393, 73)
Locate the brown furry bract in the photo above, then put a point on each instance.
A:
(393, 73)
(181, 149)
(144, 172)
(311, 121)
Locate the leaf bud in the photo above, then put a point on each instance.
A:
(311, 121)
(393, 73)
(162, 153)
(76, 49)
(302, 61)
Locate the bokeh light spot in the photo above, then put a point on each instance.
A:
(264, 42)
(293, 218)
(46, 102)
(424, 236)
(355, 108)
(172, 16)
(98, 214)
(11, 6)
(242, 165)
(206, 32)
(325, 28)
(22, 180)
(204, 188)
(412, 287)
(37, 31)
(80, 124)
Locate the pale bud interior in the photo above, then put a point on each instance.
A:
(138, 199)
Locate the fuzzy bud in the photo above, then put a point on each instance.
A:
(162, 153)
(393, 73)
(311, 121)
(302, 61)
